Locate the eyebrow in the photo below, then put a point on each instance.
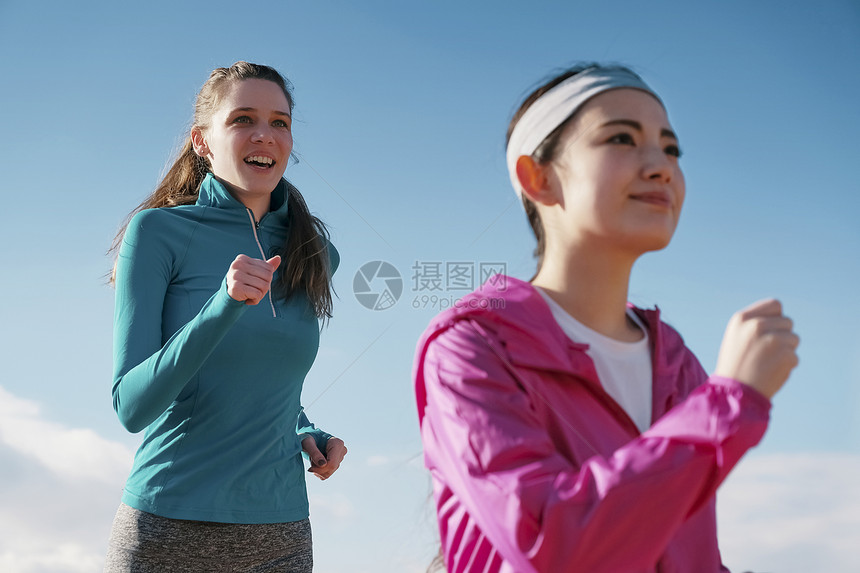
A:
(638, 127)
(276, 112)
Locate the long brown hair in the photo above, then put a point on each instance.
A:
(306, 264)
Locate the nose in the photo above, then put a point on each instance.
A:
(657, 165)
(262, 134)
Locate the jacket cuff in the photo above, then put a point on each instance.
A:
(749, 395)
(223, 297)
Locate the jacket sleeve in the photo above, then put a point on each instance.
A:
(483, 438)
(150, 373)
(305, 426)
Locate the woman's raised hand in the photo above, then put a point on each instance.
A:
(759, 347)
(250, 279)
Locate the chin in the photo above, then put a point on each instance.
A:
(260, 187)
(646, 243)
(660, 243)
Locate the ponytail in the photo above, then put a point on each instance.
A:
(182, 183)
(179, 186)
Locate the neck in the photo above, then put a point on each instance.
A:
(258, 204)
(592, 287)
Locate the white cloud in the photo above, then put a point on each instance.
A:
(792, 513)
(68, 452)
(59, 489)
(67, 557)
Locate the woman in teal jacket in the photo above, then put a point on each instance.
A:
(222, 278)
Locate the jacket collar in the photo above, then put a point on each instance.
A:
(522, 322)
(213, 193)
(522, 318)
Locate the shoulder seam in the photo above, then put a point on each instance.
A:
(181, 259)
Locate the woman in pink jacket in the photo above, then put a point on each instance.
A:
(566, 430)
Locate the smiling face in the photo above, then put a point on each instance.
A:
(248, 138)
(615, 178)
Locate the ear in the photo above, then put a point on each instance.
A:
(534, 181)
(198, 142)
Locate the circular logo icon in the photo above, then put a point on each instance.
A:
(377, 285)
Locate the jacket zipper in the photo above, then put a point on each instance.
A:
(254, 226)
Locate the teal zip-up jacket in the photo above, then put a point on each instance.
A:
(215, 383)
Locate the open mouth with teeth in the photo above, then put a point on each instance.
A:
(260, 161)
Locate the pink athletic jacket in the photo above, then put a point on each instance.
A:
(536, 468)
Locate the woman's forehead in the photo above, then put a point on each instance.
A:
(622, 104)
(254, 93)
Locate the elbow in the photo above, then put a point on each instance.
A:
(130, 421)
(133, 426)
(129, 417)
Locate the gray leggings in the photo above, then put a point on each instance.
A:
(144, 543)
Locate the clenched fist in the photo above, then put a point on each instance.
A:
(250, 279)
(759, 347)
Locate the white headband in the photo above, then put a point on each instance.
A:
(558, 104)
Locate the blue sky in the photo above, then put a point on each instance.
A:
(401, 110)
